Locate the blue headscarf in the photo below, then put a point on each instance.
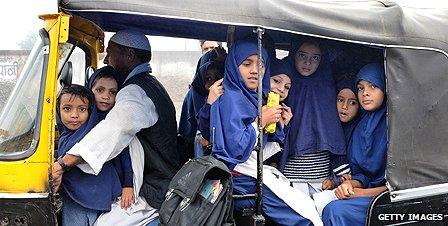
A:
(315, 125)
(122, 162)
(348, 127)
(93, 192)
(282, 67)
(198, 83)
(108, 70)
(195, 97)
(67, 137)
(279, 67)
(200, 93)
(368, 149)
(235, 110)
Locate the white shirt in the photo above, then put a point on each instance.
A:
(133, 111)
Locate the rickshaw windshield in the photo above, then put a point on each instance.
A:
(18, 118)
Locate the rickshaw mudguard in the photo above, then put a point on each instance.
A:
(27, 211)
(431, 210)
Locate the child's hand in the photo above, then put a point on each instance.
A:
(345, 190)
(204, 142)
(345, 177)
(271, 115)
(215, 91)
(56, 174)
(328, 184)
(127, 197)
(286, 115)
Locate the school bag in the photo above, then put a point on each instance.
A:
(199, 194)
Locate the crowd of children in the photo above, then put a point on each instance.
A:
(329, 146)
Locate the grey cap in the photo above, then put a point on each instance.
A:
(131, 38)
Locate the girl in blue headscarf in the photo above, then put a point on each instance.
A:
(85, 195)
(367, 153)
(210, 68)
(348, 110)
(233, 119)
(130, 209)
(104, 84)
(315, 130)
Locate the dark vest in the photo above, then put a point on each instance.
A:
(159, 142)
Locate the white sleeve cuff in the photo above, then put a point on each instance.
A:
(91, 166)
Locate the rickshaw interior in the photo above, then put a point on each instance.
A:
(346, 57)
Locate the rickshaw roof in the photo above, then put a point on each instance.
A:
(413, 35)
(368, 21)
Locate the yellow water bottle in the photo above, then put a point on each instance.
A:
(273, 100)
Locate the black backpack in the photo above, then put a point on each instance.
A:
(199, 194)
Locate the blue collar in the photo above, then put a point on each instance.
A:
(145, 67)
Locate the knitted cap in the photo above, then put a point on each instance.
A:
(131, 38)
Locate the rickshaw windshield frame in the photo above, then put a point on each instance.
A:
(25, 139)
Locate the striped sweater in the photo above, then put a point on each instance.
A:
(315, 167)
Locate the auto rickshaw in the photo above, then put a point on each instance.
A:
(412, 40)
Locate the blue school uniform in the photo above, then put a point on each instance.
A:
(122, 162)
(367, 156)
(187, 112)
(232, 116)
(348, 127)
(195, 97)
(280, 67)
(315, 133)
(315, 125)
(234, 111)
(339, 163)
(87, 190)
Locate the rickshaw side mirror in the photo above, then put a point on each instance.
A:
(66, 75)
(89, 71)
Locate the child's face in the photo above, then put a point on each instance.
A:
(370, 96)
(74, 111)
(347, 105)
(212, 76)
(249, 72)
(281, 84)
(105, 90)
(307, 59)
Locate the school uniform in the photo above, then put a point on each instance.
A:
(121, 163)
(339, 163)
(315, 130)
(85, 196)
(232, 118)
(367, 154)
(194, 100)
(198, 97)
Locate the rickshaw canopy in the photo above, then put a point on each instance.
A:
(414, 39)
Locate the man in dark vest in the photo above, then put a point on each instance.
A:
(143, 118)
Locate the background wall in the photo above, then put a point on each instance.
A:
(174, 69)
